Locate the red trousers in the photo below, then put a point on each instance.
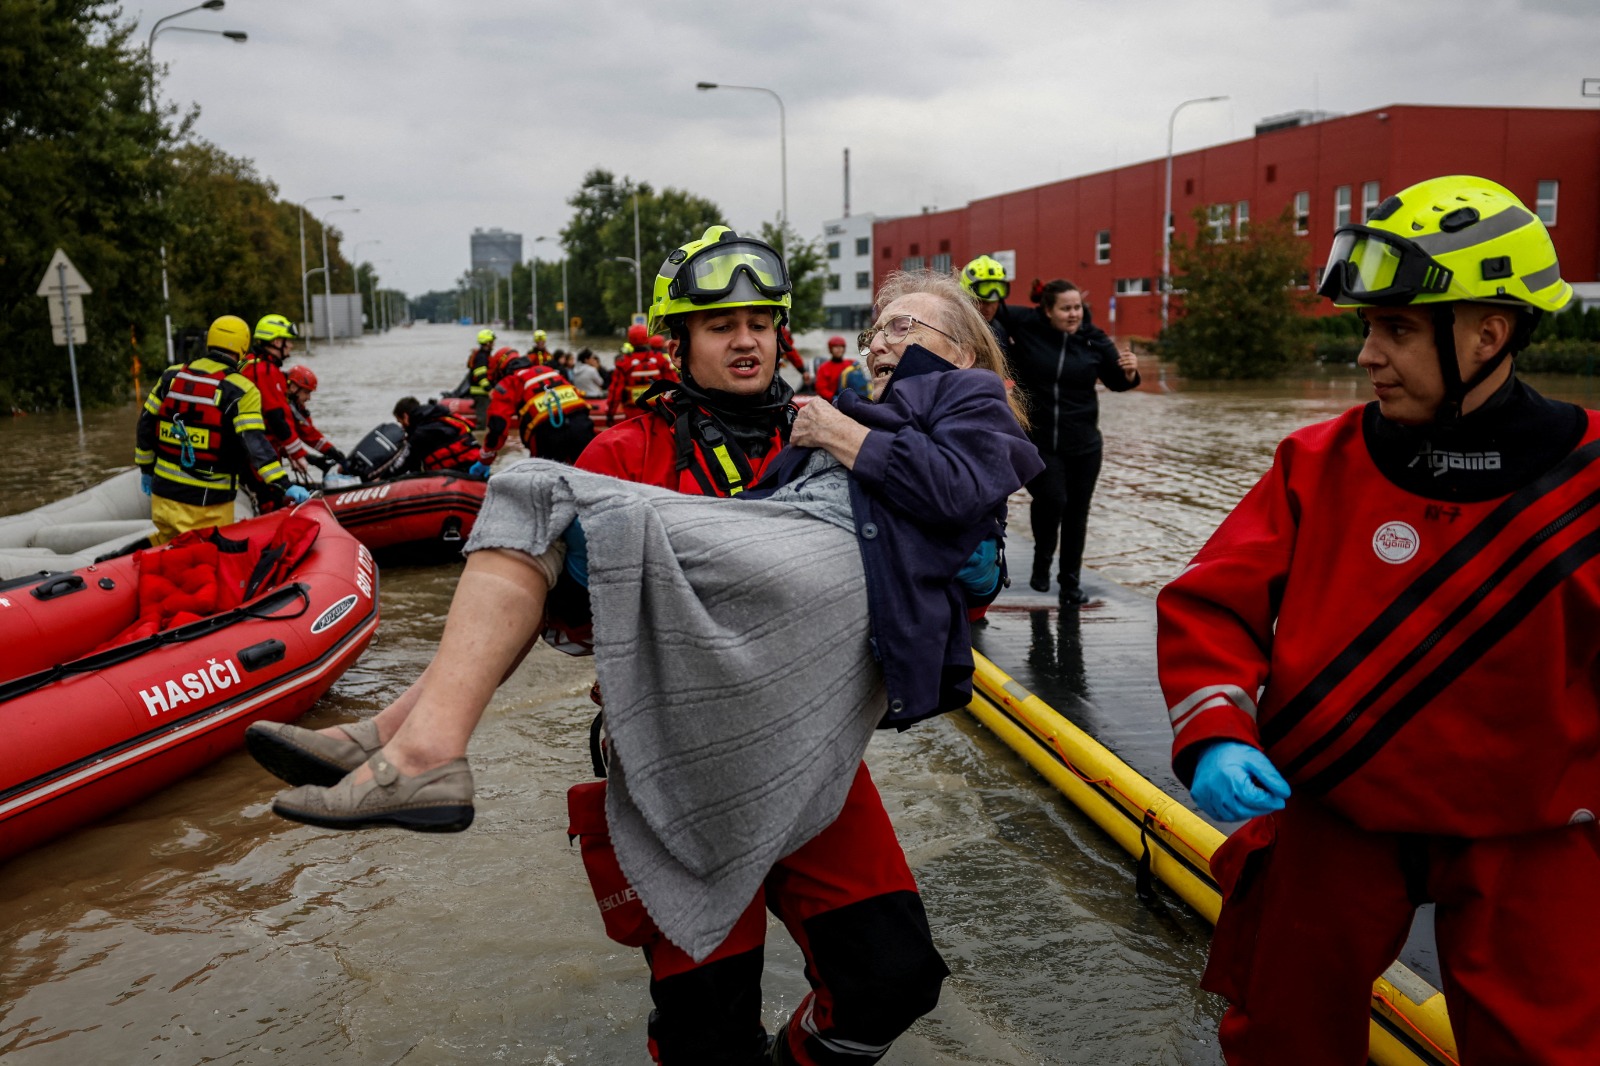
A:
(1315, 909)
(850, 902)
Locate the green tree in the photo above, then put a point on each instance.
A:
(601, 228)
(81, 168)
(1241, 311)
(807, 271)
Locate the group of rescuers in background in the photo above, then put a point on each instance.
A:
(1385, 662)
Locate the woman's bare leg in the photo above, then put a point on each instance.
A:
(493, 621)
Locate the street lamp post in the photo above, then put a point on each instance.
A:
(327, 273)
(533, 316)
(1166, 218)
(149, 54)
(305, 291)
(638, 285)
(783, 141)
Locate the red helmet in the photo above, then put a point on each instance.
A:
(658, 343)
(638, 336)
(497, 362)
(836, 342)
(304, 377)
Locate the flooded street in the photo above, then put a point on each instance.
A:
(197, 927)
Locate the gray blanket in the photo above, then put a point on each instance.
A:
(731, 645)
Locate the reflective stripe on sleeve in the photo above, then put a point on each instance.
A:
(1204, 699)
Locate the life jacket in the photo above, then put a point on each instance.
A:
(275, 409)
(641, 372)
(547, 397)
(709, 460)
(193, 427)
(459, 453)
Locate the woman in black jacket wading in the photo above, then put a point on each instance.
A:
(1057, 355)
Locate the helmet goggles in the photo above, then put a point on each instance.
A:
(1371, 266)
(731, 270)
(990, 291)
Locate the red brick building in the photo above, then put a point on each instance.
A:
(1102, 230)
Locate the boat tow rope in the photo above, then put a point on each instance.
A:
(263, 608)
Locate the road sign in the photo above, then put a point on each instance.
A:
(640, 319)
(560, 306)
(80, 333)
(58, 310)
(51, 283)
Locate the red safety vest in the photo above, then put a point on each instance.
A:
(459, 454)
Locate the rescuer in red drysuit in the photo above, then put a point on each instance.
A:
(551, 416)
(1387, 656)
(831, 371)
(635, 373)
(321, 452)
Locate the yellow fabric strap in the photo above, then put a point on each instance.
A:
(729, 470)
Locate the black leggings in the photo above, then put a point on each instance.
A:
(1061, 495)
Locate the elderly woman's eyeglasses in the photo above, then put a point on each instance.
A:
(895, 330)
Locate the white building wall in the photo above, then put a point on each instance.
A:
(847, 258)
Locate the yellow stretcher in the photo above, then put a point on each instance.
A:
(1409, 1024)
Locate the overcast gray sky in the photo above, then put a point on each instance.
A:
(434, 117)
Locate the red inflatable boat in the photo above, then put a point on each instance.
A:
(113, 686)
(417, 518)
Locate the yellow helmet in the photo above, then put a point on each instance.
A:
(721, 269)
(626, 349)
(538, 334)
(486, 336)
(230, 334)
(985, 279)
(1446, 239)
(275, 327)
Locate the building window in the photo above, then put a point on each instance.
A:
(1217, 217)
(1341, 206)
(887, 253)
(911, 262)
(916, 249)
(833, 283)
(1302, 213)
(944, 246)
(1272, 173)
(1544, 204)
(833, 249)
(941, 263)
(1102, 246)
(1369, 199)
(863, 279)
(863, 245)
(1133, 286)
(1241, 220)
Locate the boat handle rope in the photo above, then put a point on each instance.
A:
(263, 608)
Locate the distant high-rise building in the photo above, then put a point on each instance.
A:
(495, 250)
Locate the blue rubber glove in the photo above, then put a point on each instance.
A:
(577, 566)
(478, 470)
(1234, 781)
(146, 483)
(981, 572)
(297, 493)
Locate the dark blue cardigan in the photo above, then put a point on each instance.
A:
(930, 483)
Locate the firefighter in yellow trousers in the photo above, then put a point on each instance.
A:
(200, 428)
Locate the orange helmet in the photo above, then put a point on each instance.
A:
(639, 337)
(499, 360)
(658, 343)
(304, 377)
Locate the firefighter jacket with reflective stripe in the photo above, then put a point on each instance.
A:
(648, 449)
(632, 378)
(438, 440)
(533, 396)
(269, 379)
(200, 429)
(1423, 661)
(478, 370)
(313, 437)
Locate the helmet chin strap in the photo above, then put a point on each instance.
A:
(1455, 389)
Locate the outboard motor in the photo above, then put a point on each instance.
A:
(376, 451)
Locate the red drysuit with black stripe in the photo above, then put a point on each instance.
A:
(1423, 668)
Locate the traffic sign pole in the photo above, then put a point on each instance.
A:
(72, 354)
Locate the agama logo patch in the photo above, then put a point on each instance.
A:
(1396, 542)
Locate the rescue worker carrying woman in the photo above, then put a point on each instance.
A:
(1386, 658)
(201, 429)
(551, 416)
(947, 446)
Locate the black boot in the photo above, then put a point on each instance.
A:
(1040, 580)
